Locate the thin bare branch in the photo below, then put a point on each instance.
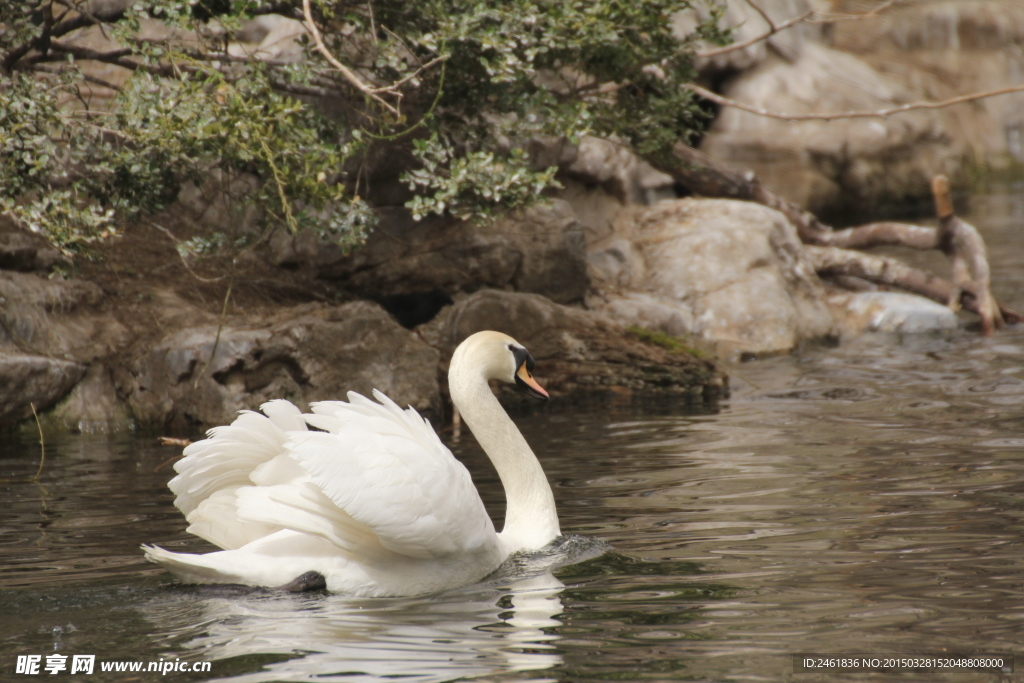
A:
(118, 57)
(42, 442)
(373, 23)
(182, 257)
(806, 17)
(414, 74)
(856, 114)
(707, 54)
(764, 15)
(349, 75)
(96, 80)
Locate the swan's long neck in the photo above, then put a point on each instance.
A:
(531, 520)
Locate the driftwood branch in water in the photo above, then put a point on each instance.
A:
(828, 248)
(963, 245)
(883, 234)
(882, 270)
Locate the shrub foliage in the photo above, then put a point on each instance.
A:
(456, 87)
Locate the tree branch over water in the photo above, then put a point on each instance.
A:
(806, 17)
(851, 114)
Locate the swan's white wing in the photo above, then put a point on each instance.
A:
(216, 519)
(377, 478)
(215, 469)
(386, 468)
(229, 455)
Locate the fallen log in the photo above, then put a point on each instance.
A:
(830, 249)
(884, 233)
(833, 262)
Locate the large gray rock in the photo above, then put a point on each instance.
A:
(829, 164)
(609, 164)
(92, 405)
(541, 250)
(54, 317)
(48, 336)
(27, 380)
(730, 272)
(949, 48)
(579, 353)
(312, 353)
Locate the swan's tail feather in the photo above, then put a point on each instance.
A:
(271, 561)
(189, 568)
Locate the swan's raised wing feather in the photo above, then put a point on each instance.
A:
(226, 459)
(216, 519)
(386, 468)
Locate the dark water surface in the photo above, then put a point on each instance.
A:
(865, 499)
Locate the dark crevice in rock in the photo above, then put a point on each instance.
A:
(415, 308)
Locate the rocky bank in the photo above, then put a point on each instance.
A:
(611, 284)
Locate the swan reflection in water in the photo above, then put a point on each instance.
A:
(481, 630)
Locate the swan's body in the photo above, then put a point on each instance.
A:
(374, 503)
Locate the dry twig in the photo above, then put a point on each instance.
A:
(182, 256)
(42, 442)
(173, 441)
(773, 29)
(348, 74)
(806, 17)
(855, 114)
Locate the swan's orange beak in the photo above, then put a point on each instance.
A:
(526, 382)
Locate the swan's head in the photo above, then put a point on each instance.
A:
(498, 356)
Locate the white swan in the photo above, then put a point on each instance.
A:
(374, 504)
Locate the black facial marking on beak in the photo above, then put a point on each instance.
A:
(524, 373)
(522, 356)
